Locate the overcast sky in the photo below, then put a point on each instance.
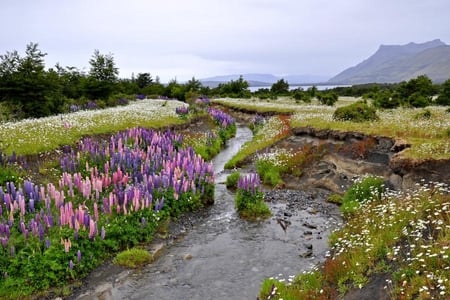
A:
(184, 38)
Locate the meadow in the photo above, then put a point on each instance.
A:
(108, 195)
(32, 136)
(112, 194)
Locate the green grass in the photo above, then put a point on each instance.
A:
(32, 136)
(232, 180)
(133, 258)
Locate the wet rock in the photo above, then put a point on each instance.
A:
(306, 254)
(309, 246)
(310, 226)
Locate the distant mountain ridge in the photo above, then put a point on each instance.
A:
(260, 79)
(396, 63)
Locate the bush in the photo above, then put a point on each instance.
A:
(327, 98)
(232, 180)
(367, 189)
(425, 114)
(356, 112)
(418, 100)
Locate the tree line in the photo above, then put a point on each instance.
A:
(28, 89)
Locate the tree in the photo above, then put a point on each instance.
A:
(102, 76)
(193, 85)
(235, 88)
(26, 86)
(144, 79)
(280, 87)
(417, 92)
(444, 95)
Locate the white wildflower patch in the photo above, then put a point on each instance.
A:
(49, 132)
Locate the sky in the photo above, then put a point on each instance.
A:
(181, 39)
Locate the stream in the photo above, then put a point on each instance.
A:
(224, 257)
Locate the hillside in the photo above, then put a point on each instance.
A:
(396, 63)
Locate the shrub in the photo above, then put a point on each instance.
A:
(425, 114)
(133, 258)
(232, 180)
(367, 189)
(327, 98)
(419, 100)
(250, 199)
(356, 112)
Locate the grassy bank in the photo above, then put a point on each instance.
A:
(427, 130)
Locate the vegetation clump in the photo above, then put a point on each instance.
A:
(355, 112)
(365, 189)
(249, 199)
(133, 258)
(232, 180)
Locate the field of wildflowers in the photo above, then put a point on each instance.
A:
(403, 236)
(32, 136)
(110, 195)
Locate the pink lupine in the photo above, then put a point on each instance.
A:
(92, 230)
(96, 211)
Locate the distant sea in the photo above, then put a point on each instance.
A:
(293, 87)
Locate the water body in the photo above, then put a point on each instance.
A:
(293, 87)
(225, 257)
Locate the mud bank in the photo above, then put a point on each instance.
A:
(351, 154)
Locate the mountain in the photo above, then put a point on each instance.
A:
(396, 63)
(257, 79)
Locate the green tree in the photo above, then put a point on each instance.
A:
(102, 76)
(26, 86)
(417, 92)
(280, 87)
(234, 88)
(144, 79)
(193, 85)
(444, 95)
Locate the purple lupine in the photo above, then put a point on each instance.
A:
(250, 183)
(182, 110)
(220, 117)
(71, 265)
(78, 256)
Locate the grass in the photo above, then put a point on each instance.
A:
(429, 137)
(402, 235)
(32, 136)
(133, 258)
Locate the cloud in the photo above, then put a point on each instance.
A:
(180, 39)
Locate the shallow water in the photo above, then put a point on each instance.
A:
(225, 257)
